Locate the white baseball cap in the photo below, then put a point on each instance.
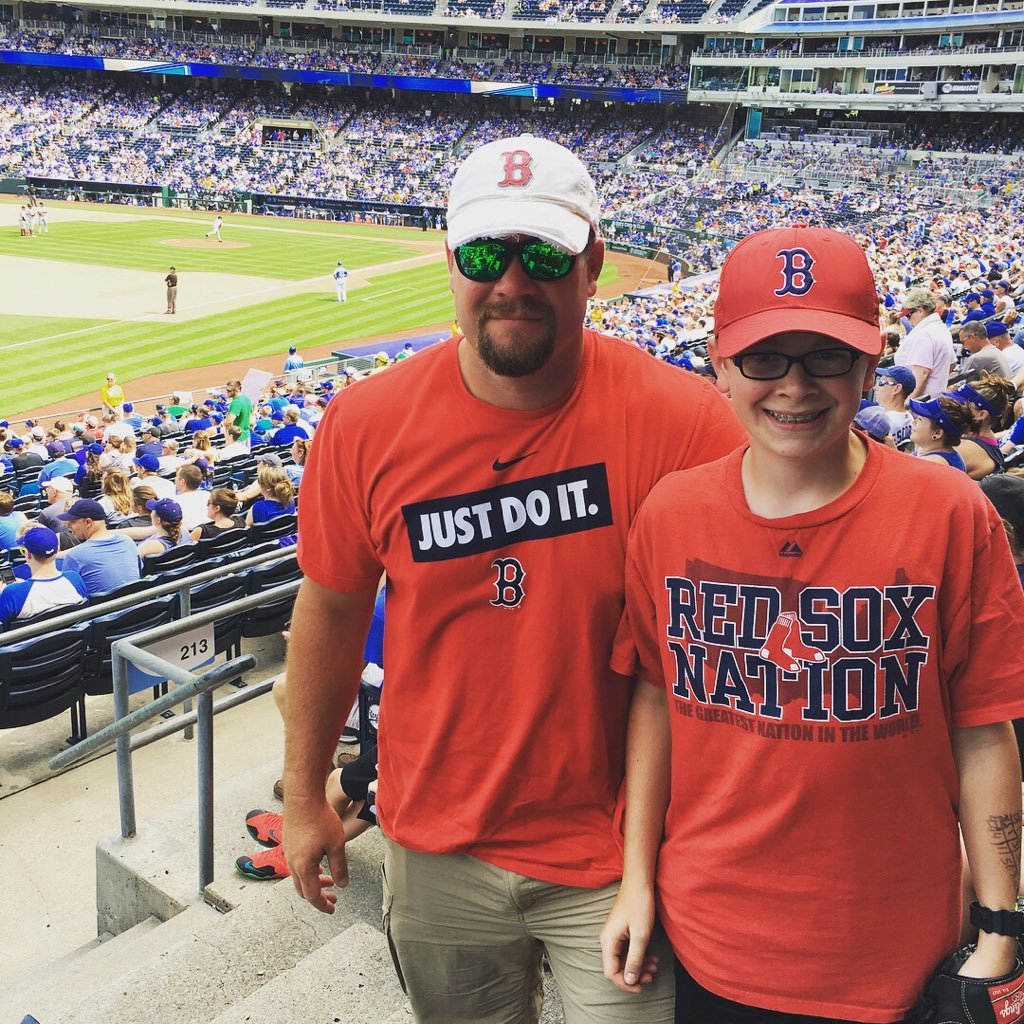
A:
(61, 484)
(523, 186)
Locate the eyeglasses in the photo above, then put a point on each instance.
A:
(486, 259)
(821, 362)
(886, 383)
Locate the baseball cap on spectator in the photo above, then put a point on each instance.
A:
(796, 279)
(95, 448)
(276, 415)
(156, 421)
(128, 407)
(270, 459)
(40, 541)
(166, 508)
(15, 442)
(91, 421)
(78, 428)
(931, 410)
(988, 294)
(55, 449)
(873, 421)
(150, 463)
(110, 376)
(203, 465)
(995, 328)
(60, 484)
(4, 423)
(216, 417)
(38, 433)
(972, 297)
(523, 186)
(84, 508)
(903, 375)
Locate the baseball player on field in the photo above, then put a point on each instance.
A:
(218, 223)
(340, 276)
(824, 688)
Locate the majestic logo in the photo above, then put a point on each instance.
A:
(796, 272)
(508, 586)
(791, 550)
(498, 465)
(517, 169)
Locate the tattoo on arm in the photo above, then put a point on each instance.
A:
(1005, 835)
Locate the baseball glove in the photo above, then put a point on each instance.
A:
(950, 999)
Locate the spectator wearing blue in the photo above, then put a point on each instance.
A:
(988, 305)
(61, 463)
(983, 356)
(48, 587)
(131, 417)
(200, 419)
(999, 336)
(103, 559)
(294, 360)
(165, 515)
(893, 386)
(873, 421)
(291, 429)
(278, 496)
(10, 521)
(972, 300)
(151, 443)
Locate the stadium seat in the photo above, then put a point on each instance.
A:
(43, 676)
(135, 587)
(220, 593)
(172, 558)
(273, 529)
(105, 629)
(267, 619)
(225, 543)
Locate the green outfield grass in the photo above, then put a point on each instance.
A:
(49, 359)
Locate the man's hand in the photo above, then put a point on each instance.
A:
(624, 941)
(313, 831)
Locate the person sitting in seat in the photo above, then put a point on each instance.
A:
(939, 424)
(278, 496)
(103, 559)
(991, 397)
(187, 482)
(167, 533)
(10, 521)
(48, 587)
(221, 508)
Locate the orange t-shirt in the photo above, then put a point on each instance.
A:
(503, 534)
(815, 665)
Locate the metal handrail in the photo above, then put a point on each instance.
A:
(189, 686)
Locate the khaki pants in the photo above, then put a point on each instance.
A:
(172, 299)
(467, 939)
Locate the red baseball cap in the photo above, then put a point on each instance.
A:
(796, 279)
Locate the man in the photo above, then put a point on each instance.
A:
(22, 459)
(190, 498)
(147, 468)
(972, 301)
(112, 395)
(291, 429)
(131, 417)
(928, 347)
(999, 336)
(151, 443)
(61, 463)
(504, 519)
(171, 281)
(294, 360)
(47, 587)
(982, 356)
(103, 559)
(218, 223)
(239, 410)
(893, 386)
(340, 276)
(59, 494)
(813, 710)
(169, 458)
(407, 350)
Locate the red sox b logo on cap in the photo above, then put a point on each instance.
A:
(517, 169)
(796, 272)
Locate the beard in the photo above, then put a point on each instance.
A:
(518, 356)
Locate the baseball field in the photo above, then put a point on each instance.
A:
(88, 296)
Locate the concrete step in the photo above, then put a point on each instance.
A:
(349, 979)
(98, 965)
(204, 976)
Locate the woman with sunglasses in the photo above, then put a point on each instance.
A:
(221, 508)
(939, 425)
(991, 397)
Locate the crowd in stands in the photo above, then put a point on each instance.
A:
(322, 55)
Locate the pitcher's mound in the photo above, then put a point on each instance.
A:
(203, 243)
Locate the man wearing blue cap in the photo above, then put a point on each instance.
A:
(893, 386)
(999, 337)
(983, 356)
(103, 559)
(48, 587)
(972, 300)
(148, 469)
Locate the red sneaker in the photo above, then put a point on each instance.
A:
(266, 827)
(267, 864)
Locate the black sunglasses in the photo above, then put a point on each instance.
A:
(487, 259)
(820, 362)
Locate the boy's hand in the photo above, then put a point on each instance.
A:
(624, 941)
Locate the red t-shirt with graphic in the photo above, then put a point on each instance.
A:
(815, 665)
(503, 534)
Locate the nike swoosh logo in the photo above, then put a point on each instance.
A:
(498, 465)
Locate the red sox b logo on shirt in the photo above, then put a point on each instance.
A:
(517, 169)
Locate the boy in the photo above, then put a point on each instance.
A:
(832, 684)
